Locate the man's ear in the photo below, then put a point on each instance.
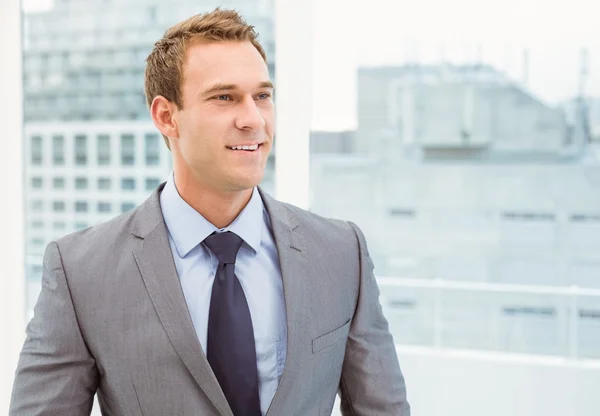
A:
(163, 115)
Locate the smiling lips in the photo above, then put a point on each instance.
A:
(247, 147)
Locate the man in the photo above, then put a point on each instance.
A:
(211, 298)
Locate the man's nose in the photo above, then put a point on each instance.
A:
(249, 116)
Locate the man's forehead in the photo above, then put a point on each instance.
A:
(206, 55)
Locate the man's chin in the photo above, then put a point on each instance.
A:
(246, 182)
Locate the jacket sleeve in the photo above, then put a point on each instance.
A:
(56, 374)
(371, 383)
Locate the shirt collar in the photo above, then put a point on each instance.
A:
(188, 227)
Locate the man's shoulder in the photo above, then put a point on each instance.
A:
(97, 238)
(324, 226)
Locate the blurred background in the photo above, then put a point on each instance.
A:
(463, 138)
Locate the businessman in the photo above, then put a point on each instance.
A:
(211, 298)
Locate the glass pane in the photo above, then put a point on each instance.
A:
(103, 149)
(127, 150)
(80, 149)
(81, 206)
(36, 150)
(152, 183)
(81, 183)
(58, 183)
(58, 150)
(128, 184)
(104, 207)
(104, 183)
(37, 182)
(152, 149)
(462, 138)
(127, 206)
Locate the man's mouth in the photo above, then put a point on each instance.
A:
(247, 148)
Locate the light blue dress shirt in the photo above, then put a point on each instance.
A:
(257, 268)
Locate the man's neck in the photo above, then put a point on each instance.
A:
(220, 208)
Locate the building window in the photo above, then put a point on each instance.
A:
(36, 270)
(104, 183)
(37, 205)
(58, 150)
(529, 216)
(58, 206)
(59, 225)
(36, 150)
(81, 183)
(81, 225)
(152, 184)
(81, 206)
(37, 182)
(128, 184)
(152, 149)
(127, 149)
(127, 206)
(103, 149)
(80, 150)
(58, 183)
(104, 206)
(37, 224)
(38, 242)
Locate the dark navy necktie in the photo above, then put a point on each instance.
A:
(231, 351)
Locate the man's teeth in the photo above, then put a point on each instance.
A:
(253, 147)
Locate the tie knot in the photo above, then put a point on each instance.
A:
(224, 245)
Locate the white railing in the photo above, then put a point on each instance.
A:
(541, 320)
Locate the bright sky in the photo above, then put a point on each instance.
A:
(380, 32)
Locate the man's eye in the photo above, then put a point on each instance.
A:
(265, 96)
(223, 97)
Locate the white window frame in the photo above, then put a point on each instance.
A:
(12, 243)
(294, 78)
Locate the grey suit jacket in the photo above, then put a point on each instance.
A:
(111, 318)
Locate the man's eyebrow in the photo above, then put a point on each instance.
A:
(230, 87)
(266, 84)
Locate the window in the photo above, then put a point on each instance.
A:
(37, 224)
(37, 271)
(38, 242)
(104, 206)
(58, 183)
(59, 225)
(36, 150)
(58, 150)
(58, 206)
(103, 150)
(37, 205)
(152, 184)
(152, 149)
(127, 149)
(81, 206)
(127, 206)
(37, 182)
(104, 183)
(80, 150)
(128, 184)
(81, 183)
(81, 225)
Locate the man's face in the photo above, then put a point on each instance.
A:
(227, 102)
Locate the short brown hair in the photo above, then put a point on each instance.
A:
(164, 65)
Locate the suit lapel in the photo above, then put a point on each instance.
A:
(294, 265)
(155, 262)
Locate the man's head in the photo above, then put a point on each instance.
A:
(208, 89)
